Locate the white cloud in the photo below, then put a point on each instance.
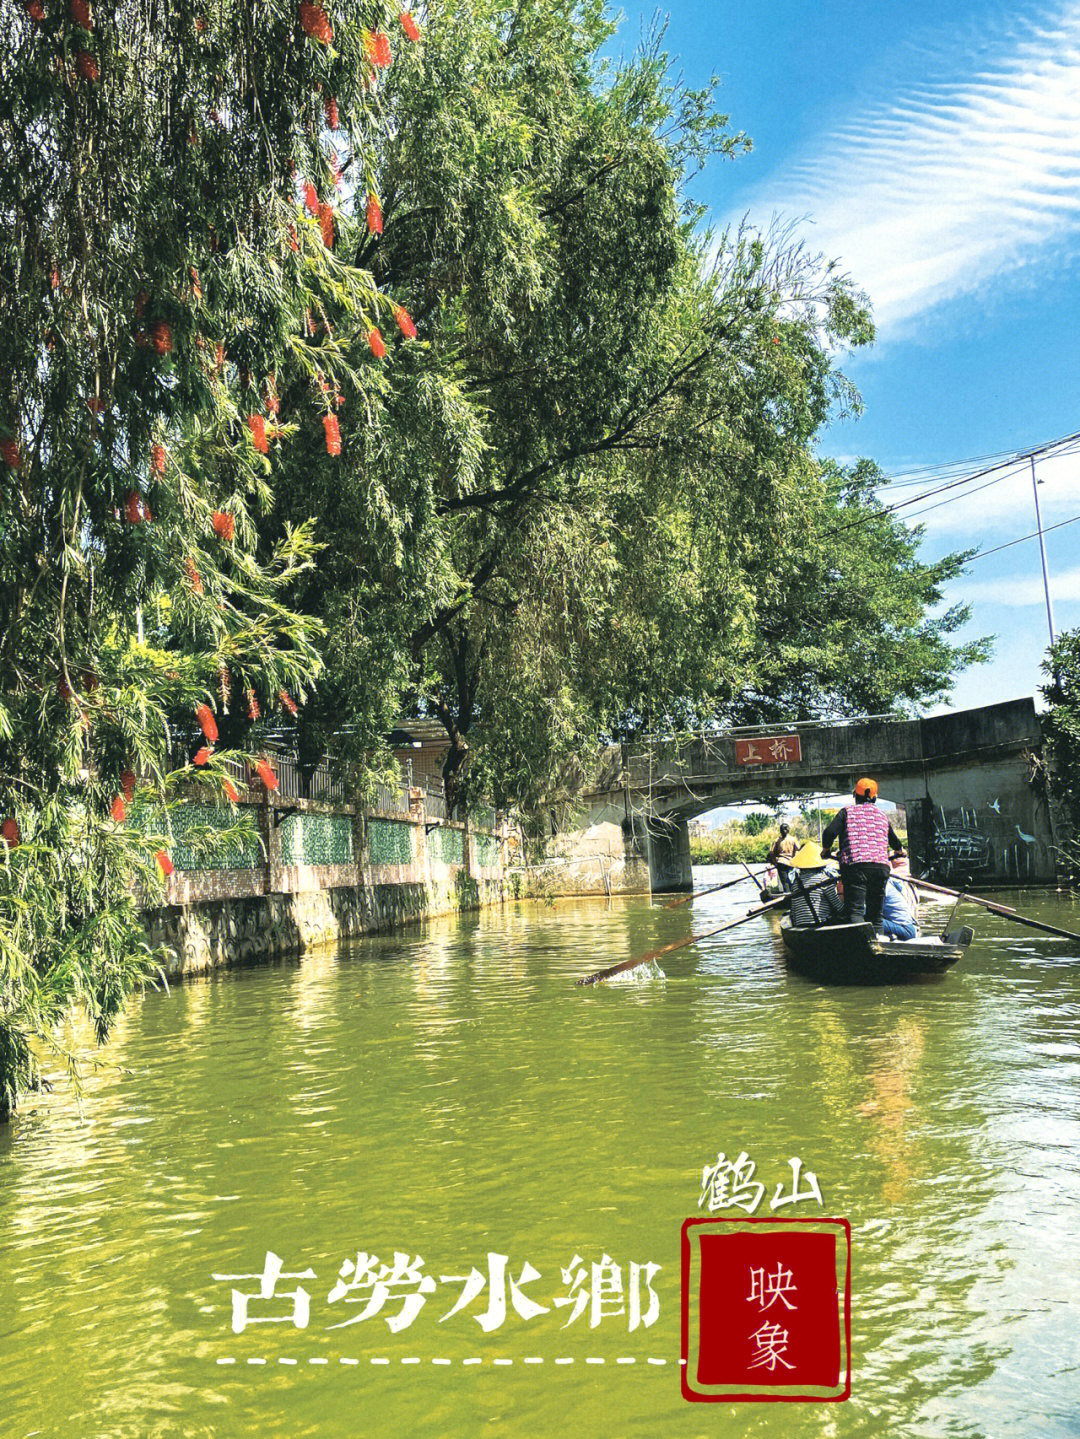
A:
(964, 178)
(1023, 590)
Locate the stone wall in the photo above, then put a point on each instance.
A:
(324, 872)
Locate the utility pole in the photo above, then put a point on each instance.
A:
(1042, 552)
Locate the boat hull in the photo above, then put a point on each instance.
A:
(853, 954)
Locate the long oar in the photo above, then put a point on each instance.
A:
(712, 889)
(693, 938)
(1002, 909)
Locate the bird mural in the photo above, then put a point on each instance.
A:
(994, 804)
(1027, 838)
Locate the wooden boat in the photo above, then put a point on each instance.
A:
(854, 954)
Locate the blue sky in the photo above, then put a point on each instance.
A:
(934, 150)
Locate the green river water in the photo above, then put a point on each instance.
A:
(449, 1092)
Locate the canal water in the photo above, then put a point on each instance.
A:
(448, 1093)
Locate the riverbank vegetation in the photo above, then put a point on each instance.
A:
(337, 389)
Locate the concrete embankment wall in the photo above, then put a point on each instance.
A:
(323, 872)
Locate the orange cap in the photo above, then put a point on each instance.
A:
(867, 787)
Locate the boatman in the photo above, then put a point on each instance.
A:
(782, 853)
(866, 841)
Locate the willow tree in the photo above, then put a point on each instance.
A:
(172, 241)
(590, 499)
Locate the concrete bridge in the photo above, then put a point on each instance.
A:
(973, 785)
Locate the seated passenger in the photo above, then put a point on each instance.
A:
(814, 902)
(900, 907)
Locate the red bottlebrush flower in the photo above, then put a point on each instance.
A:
(231, 790)
(265, 770)
(79, 11)
(315, 22)
(95, 404)
(135, 510)
(287, 700)
(273, 400)
(378, 345)
(326, 225)
(127, 784)
(378, 48)
(9, 830)
(409, 25)
(257, 426)
(36, 12)
(405, 322)
(253, 710)
(219, 356)
(224, 525)
(335, 169)
(311, 198)
(157, 459)
(205, 716)
(196, 288)
(193, 575)
(118, 809)
(374, 214)
(202, 755)
(309, 322)
(54, 278)
(331, 107)
(87, 66)
(776, 339)
(9, 451)
(333, 434)
(294, 243)
(200, 24)
(165, 864)
(161, 337)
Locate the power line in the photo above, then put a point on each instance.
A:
(1017, 458)
(1046, 529)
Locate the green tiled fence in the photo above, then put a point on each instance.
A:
(390, 841)
(447, 845)
(317, 839)
(190, 847)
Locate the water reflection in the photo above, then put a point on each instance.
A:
(449, 1090)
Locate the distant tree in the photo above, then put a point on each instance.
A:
(757, 821)
(1062, 725)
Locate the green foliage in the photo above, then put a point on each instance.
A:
(157, 272)
(1062, 727)
(757, 821)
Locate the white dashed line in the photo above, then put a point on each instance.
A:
(414, 1359)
